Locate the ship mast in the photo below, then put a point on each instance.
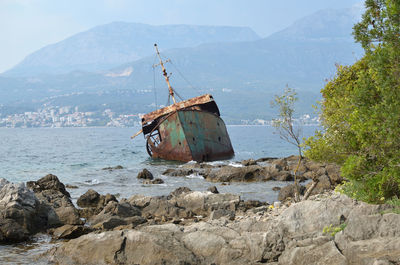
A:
(171, 91)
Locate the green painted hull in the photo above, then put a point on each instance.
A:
(192, 135)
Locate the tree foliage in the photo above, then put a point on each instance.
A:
(284, 123)
(360, 110)
(380, 23)
(285, 127)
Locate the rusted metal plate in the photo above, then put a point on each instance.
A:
(173, 145)
(206, 135)
(193, 135)
(177, 106)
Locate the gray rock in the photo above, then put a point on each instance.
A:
(59, 208)
(70, 231)
(213, 189)
(289, 191)
(91, 198)
(150, 246)
(249, 162)
(314, 254)
(178, 172)
(20, 212)
(236, 174)
(180, 191)
(110, 223)
(12, 232)
(48, 182)
(145, 174)
(219, 213)
(154, 181)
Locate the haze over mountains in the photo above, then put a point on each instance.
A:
(110, 45)
(111, 66)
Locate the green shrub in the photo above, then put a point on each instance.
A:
(360, 110)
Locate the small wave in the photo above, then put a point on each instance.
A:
(191, 162)
(92, 182)
(81, 165)
(235, 164)
(215, 163)
(195, 176)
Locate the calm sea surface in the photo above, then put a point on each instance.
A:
(77, 156)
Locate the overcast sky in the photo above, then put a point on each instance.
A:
(28, 25)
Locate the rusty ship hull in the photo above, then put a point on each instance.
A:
(188, 130)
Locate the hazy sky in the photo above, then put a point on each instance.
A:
(28, 25)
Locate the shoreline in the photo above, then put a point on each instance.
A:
(205, 226)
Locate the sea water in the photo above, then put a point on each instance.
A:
(78, 155)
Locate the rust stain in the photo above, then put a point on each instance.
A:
(177, 106)
(190, 134)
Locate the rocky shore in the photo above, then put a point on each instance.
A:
(205, 227)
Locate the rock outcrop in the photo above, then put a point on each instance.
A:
(279, 169)
(145, 174)
(296, 234)
(55, 202)
(20, 212)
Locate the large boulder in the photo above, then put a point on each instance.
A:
(184, 203)
(237, 174)
(90, 198)
(20, 213)
(48, 182)
(55, 201)
(145, 174)
(92, 203)
(289, 191)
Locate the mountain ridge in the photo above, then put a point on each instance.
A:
(106, 46)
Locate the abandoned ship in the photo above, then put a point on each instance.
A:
(187, 130)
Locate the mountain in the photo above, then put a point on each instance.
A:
(324, 25)
(243, 76)
(110, 45)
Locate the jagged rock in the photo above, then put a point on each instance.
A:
(48, 182)
(110, 223)
(250, 204)
(180, 191)
(55, 201)
(91, 198)
(314, 254)
(12, 232)
(249, 162)
(287, 235)
(145, 174)
(59, 208)
(20, 212)
(154, 181)
(289, 191)
(323, 184)
(70, 231)
(237, 174)
(284, 176)
(117, 211)
(178, 172)
(139, 201)
(213, 189)
(150, 246)
(93, 203)
(69, 186)
(135, 220)
(217, 214)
